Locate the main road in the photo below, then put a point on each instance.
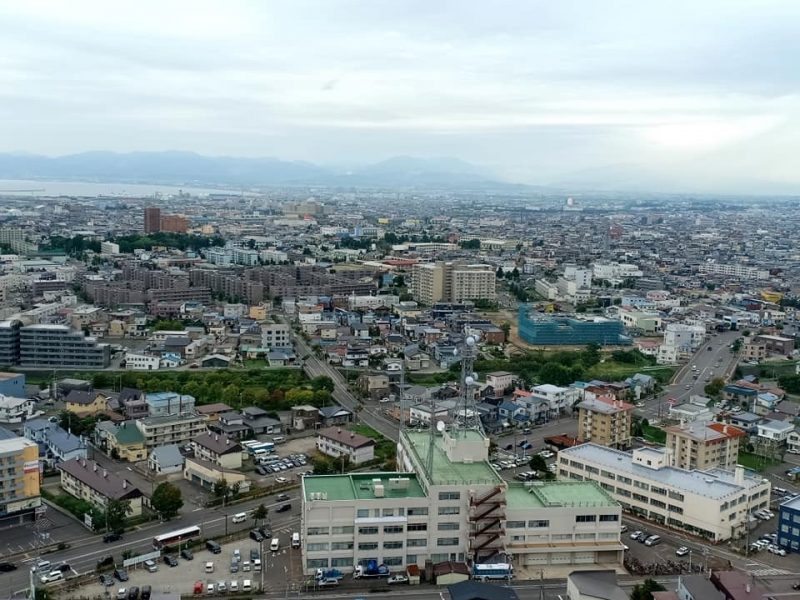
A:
(370, 415)
(84, 552)
(719, 361)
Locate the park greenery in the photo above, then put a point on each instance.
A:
(181, 241)
(167, 500)
(271, 389)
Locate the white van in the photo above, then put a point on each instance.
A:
(239, 517)
(275, 545)
(295, 540)
(52, 576)
(278, 439)
(247, 585)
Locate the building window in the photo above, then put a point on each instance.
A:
(584, 536)
(393, 561)
(367, 530)
(417, 527)
(341, 545)
(388, 512)
(418, 512)
(447, 541)
(318, 531)
(448, 526)
(392, 545)
(609, 518)
(343, 529)
(449, 510)
(362, 513)
(449, 495)
(341, 562)
(393, 529)
(317, 563)
(411, 559)
(515, 524)
(585, 518)
(539, 523)
(322, 546)
(416, 543)
(368, 546)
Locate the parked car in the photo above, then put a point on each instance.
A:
(170, 560)
(121, 574)
(682, 551)
(122, 594)
(256, 536)
(198, 588)
(146, 592)
(261, 470)
(133, 593)
(106, 581)
(635, 535)
(397, 579)
(5, 567)
(281, 480)
(186, 554)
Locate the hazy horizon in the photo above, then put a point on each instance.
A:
(678, 96)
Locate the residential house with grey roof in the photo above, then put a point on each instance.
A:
(166, 460)
(86, 480)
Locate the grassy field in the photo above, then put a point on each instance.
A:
(384, 448)
(755, 462)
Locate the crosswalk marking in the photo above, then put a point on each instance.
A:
(768, 572)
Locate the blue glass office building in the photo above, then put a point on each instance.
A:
(542, 329)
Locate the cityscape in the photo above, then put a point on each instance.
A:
(315, 302)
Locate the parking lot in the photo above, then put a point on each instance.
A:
(281, 569)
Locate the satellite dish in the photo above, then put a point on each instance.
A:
(469, 380)
(470, 341)
(440, 426)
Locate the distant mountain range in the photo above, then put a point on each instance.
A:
(184, 168)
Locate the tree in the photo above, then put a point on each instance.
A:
(221, 488)
(538, 463)
(167, 500)
(399, 281)
(555, 373)
(506, 327)
(644, 590)
(230, 395)
(499, 272)
(260, 513)
(115, 514)
(323, 382)
(713, 388)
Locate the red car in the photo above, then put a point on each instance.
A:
(198, 588)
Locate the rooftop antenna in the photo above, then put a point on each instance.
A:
(431, 442)
(468, 413)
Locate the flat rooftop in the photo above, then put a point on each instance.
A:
(714, 483)
(446, 472)
(359, 486)
(558, 493)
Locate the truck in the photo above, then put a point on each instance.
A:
(370, 569)
(328, 574)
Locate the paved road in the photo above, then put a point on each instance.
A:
(370, 415)
(706, 362)
(82, 556)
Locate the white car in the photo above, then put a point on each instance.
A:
(281, 480)
(397, 579)
(682, 551)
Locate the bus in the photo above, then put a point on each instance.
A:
(176, 537)
(265, 446)
(493, 571)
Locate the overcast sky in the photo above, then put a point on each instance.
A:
(703, 92)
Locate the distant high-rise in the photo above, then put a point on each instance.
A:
(152, 219)
(452, 282)
(174, 223)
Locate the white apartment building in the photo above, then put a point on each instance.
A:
(141, 362)
(683, 337)
(355, 302)
(109, 248)
(276, 336)
(336, 442)
(271, 255)
(615, 270)
(713, 503)
(546, 289)
(738, 271)
(453, 508)
(173, 429)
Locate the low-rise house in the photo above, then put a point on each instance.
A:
(336, 442)
(162, 404)
(259, 422)
(56, 444)
(334, 415)
(594, 585)
(499, 381)
(304, 417)
(86, 480)
(213, 411)
(133, 403)
(16, 410)
(206, 474)
(165, 460)
(178, 429)
(415, 359)
(126, 442)
(281, 358)
(218, 449)
(85, 403)
(231, 424)
(374, 385)
(775, 432)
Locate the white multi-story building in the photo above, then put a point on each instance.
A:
(336, 442)
(684, 338)
(738, 271)
(109, 248)
(615, 270)
(271, 255)
(712, 503)
(449, 504)
(174, 429)
(276, 336)
(141, 362)
(245, 256)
